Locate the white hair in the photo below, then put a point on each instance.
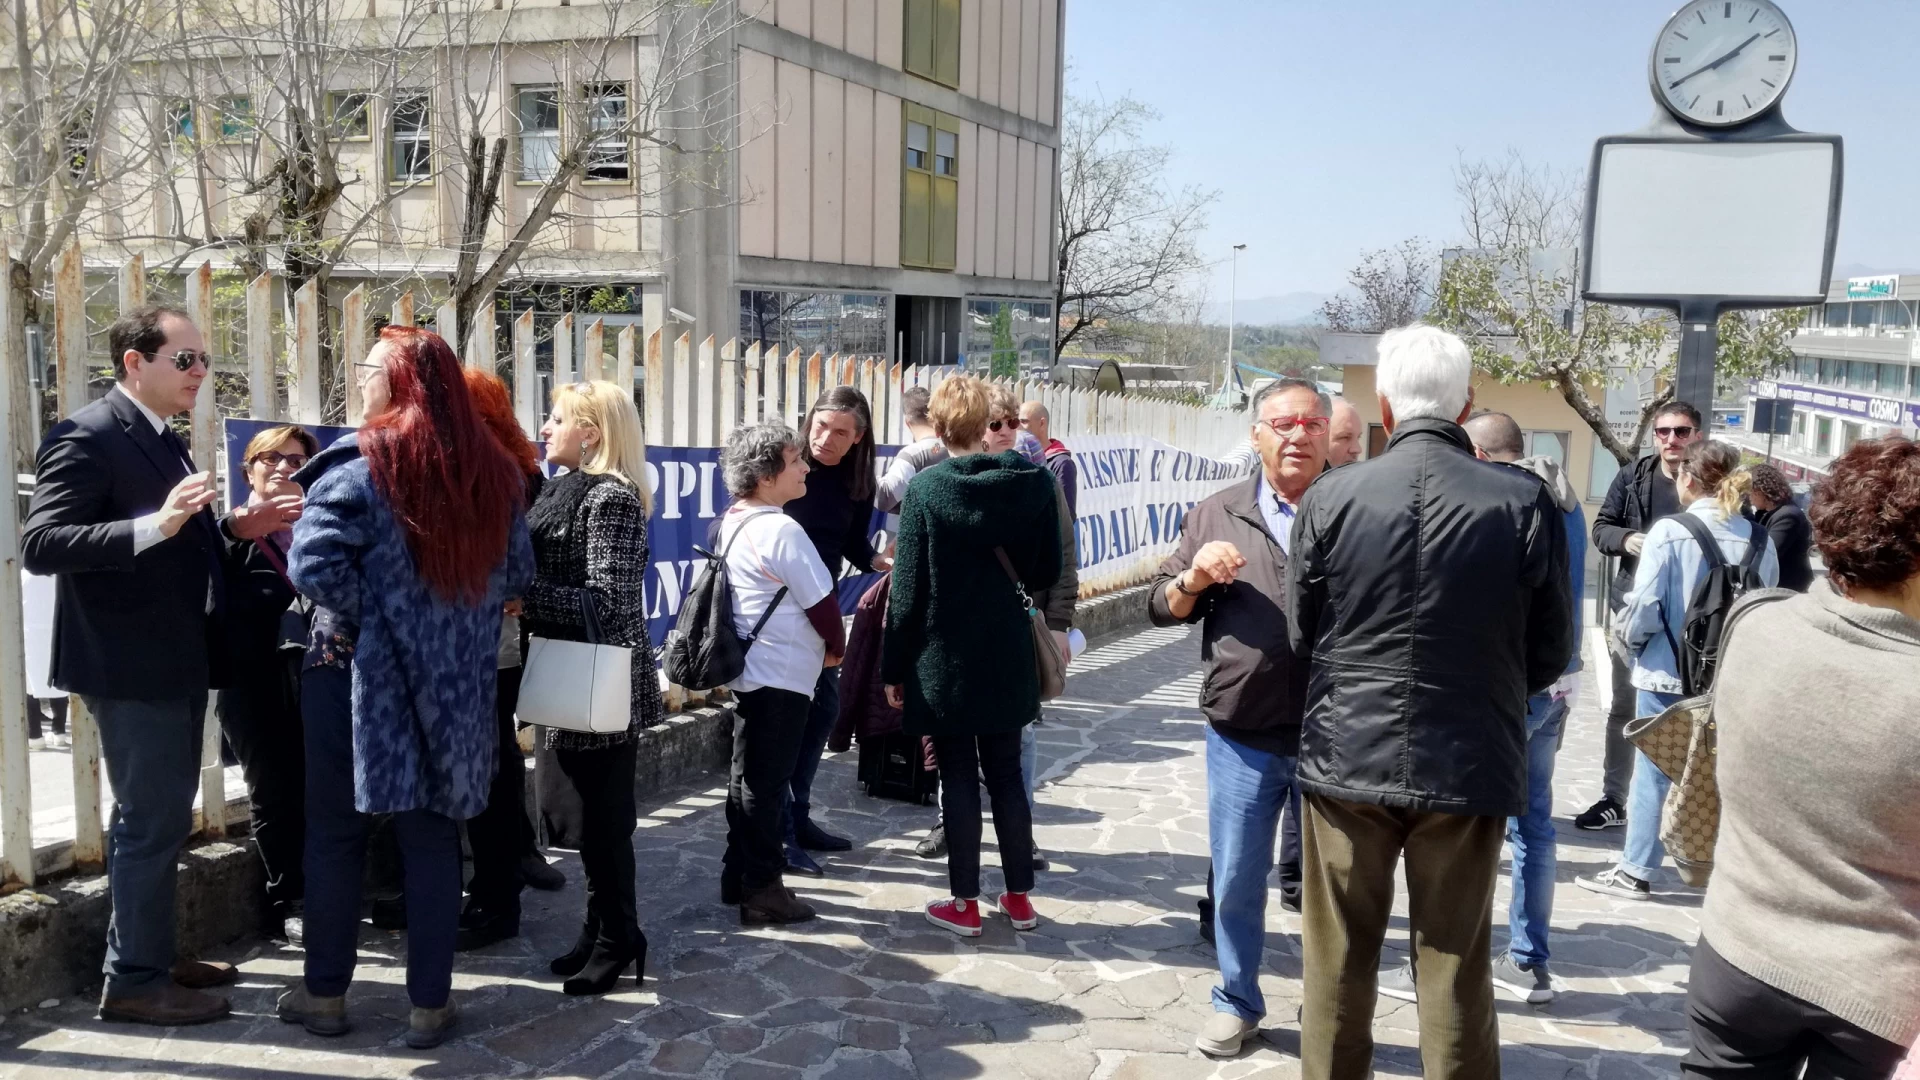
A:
(1424, 372)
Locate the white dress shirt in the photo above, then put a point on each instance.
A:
(146, 528)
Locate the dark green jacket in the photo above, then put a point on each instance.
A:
(957, 637)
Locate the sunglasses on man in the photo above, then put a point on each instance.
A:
(184, 359)
(996, 425)
(1683, 431)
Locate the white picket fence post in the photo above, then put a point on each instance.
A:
(16, 778)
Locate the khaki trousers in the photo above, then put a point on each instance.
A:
(1349, 851)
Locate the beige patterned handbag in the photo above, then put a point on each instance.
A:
(1682, 743)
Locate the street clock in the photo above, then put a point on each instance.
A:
(1721, 63)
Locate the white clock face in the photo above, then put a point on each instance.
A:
(1723, 62)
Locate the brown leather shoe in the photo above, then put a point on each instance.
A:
(170, 1006)
(773, 903)
(203, 974)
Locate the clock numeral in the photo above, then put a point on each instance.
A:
(1671, 60)
(1769, 83)
(1744, 101)
(1780, 56)
(1719, 108)
(1728, 12)
(1703, 17)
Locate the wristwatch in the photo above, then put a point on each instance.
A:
(1179, 582)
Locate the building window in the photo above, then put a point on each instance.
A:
(609, 159)
(178, 120)
(349, 115)
(933, 40)
(1893, 378)
(1849, 434)
(1913, 381)
(930, 189)
(233, 117)
(1007, 338)
(410, 147)
(79, 145)
(830, 323)
(1553, 444)
(537, 108)
(1823, 436)
(1859, 375)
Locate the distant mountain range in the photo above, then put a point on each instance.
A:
(1287, 309)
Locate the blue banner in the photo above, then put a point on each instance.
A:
(688, 499)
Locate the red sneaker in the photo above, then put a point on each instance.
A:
(960, 916)
(1019, 910)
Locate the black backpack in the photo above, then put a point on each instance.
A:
(1697, 653)
(703, 649)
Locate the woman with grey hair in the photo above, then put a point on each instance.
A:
(785, 609)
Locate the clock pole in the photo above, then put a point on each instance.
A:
(1693, 380)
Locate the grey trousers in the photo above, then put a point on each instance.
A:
(152, 749)
(1618, 774)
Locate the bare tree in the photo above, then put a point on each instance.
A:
(1391, 287)
(1512, 292)
(1127, 240)
(68, 155)
(658, 128)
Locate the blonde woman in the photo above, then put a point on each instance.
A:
(589, 530)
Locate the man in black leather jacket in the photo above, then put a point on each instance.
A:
(1430, 591)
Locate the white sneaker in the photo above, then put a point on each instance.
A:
(1222, 1035)
(57, 741)
(36, 744)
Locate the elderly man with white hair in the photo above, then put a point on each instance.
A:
(1430, 589)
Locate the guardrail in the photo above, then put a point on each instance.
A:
(690, 395)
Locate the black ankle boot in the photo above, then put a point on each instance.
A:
(569, 965)
(606, 966)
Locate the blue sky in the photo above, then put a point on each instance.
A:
(1332, 127)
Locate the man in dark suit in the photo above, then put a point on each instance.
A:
(120, 516)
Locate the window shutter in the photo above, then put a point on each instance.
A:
(920, 38)
(946, 43)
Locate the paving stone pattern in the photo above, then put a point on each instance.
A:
(1112, 985)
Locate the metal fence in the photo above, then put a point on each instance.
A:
(690, 395)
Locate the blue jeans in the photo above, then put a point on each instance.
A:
(153, 762)
(1246, 789)
(1642, 851)
(1531, 835)
(813, 742)
(337, 854)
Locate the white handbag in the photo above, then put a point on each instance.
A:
(578, 685)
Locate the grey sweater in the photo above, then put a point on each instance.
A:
(1816, 879)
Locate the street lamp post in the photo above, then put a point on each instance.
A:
(1233, 288)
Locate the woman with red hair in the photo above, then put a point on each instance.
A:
(413, 540)
(505, 854)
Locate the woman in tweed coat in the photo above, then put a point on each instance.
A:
(590, 541)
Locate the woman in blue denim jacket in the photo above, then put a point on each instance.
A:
(1711, 483)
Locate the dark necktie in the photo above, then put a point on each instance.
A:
(216, 577)
(177, 447)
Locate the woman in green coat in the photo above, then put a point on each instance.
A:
(957, 657)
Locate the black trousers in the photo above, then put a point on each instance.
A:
(501, 834)
(1742, 1027)
(604, 779)
(964, 759)
(769, 725)
(55, 710)
(261, 720)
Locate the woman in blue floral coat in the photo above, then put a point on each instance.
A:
(411, 549)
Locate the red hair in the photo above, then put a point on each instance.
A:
(445, 476)
(496, 411)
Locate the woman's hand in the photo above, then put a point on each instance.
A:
(515, 607)
(896, 697)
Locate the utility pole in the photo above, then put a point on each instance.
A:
(1233, 288)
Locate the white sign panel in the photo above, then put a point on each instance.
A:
(1133, 497)
(1721, 219)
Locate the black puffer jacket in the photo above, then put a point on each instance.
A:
(1430, 590)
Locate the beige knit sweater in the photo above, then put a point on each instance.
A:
(1816, 880)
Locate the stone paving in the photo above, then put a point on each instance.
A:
(1112, 985)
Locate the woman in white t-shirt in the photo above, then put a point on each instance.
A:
(780, 585)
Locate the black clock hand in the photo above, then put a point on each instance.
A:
(1737, 50)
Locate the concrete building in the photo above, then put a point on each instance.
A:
(872, 177)
(1856, 372)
